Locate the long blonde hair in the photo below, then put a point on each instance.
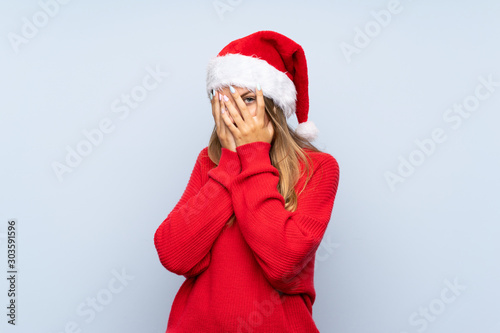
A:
(285, 152)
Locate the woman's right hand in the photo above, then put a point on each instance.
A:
(226, 138)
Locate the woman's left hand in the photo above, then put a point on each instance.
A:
(250, 129)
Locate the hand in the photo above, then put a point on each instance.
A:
(225, 136)
(250, 129)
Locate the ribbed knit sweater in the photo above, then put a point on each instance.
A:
(258, 274)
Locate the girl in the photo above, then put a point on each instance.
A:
(245, 232)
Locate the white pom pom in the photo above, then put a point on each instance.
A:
(308, 130)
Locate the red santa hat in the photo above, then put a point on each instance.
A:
(277, 63)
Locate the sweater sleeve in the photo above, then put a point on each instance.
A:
(184, 239)
(283, 242)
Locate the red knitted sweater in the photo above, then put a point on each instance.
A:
(257, 275)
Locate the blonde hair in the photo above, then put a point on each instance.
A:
(286, 150)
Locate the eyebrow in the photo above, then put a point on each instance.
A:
(248, 92)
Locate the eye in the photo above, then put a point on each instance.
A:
(250, 99)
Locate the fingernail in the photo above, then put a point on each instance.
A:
(232, 89)
(222, 110)
(225, 98)
(258, 86)
(220, 97)
(211, 96)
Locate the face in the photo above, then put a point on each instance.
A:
(248, 97)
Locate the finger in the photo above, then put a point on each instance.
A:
(239, 102)
(261, 105)
(232, 110)
(225, 118)
(216, 110)
(221, 120)
(212, 102)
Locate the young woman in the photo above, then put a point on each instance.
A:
(245, 232)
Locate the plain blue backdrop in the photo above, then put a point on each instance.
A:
(104, 110)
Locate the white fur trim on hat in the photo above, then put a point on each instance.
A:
(244, 71)
(308, 130)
